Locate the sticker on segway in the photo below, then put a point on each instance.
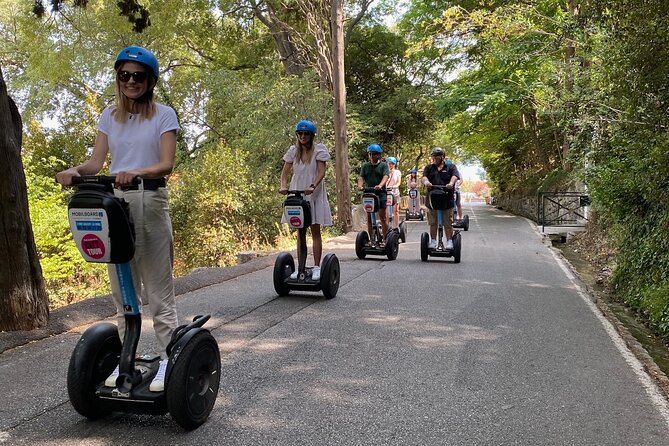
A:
(90, 229)
(93, 246)
(413, 193)
(368, 204)
(389, 200)
(294, 216)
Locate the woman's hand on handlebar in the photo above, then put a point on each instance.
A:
(283, 190)
(65, 177)
(125, 177)
(309, 190)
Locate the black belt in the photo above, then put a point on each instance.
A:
(148, 184)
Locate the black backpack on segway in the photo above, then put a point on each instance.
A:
(298, 215)
(103, 232)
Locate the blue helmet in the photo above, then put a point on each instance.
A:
(306, 126)
(391, 159)
(449, 162)
(374, 148)
(413, 171)
(138, 54)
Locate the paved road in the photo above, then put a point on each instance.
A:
(502, 349)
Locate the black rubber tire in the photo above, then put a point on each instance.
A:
(392, 245)
(424, 243)
(422, 215)
(403, 232)
(465, 222)
(94, 358)
(457, 247)
(283, 268)
(193, 383)
(330, 276)
(360, 241)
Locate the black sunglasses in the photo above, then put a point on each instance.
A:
(138, 76)
(300, 133)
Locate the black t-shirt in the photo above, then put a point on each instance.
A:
(442, 177)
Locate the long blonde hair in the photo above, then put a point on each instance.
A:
(146, 108)
(304, 153)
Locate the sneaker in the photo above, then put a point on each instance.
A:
(294, 275)
(316, 273)
(111, 379)
(158, 383)
(449, 244)
(432, 244)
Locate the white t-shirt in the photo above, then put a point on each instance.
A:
(135, 144)
(394, 180)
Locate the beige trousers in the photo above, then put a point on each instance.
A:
(152, 264)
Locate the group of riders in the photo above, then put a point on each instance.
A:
(385, 178)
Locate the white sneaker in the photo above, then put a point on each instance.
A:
(316, 273)
(158, 383)
(294, 275)
(432, 244)
(111, 379)
(449, 244)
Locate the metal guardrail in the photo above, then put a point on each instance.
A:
(568, 209)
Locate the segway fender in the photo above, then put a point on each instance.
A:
(177, 348)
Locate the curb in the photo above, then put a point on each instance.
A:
(95, 309)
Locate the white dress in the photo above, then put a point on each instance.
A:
(303, 176)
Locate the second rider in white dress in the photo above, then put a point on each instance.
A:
(306, 160)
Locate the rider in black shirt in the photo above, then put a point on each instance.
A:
(440, 173)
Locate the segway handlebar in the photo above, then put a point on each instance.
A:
(99, 179)
(442, 187)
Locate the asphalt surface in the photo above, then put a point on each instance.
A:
(504, 348)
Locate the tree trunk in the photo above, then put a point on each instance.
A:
(23, 296)
(570, 52)
(288, 51)
(342, 169)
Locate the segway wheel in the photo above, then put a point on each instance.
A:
(192, 386)
(92, 361)
(457, 246)
(392, 245)
(465, 222)
(283, 268)
(403, 232)
(360, 241)
(422, 215)
(424, 244)
(330, 276)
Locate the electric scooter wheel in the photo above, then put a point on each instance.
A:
(424, 244)
(92, 361)
(360, 241)
(392, 245)
(330, 276)
(403, 232)
(457, 246)
(465, 222)
(283, 268)
(193, 382)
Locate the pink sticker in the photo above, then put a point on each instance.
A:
(93, 246)
(296, 222)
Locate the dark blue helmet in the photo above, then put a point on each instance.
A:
(138, 54)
